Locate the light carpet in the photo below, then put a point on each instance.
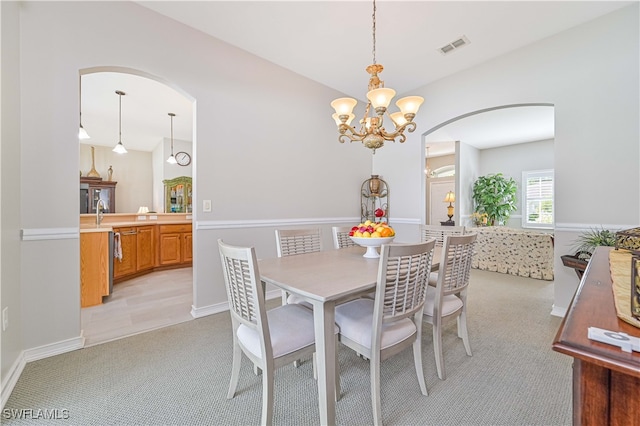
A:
(179, 375)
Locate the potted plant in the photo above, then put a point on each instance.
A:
(495, 196)
(585, 245)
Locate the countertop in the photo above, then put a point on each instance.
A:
(107, 227)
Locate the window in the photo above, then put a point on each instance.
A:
(537, 199)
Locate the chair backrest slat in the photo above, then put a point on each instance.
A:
(297, 241)
(403, 276)
(341, 237)
(438, 232)
(455, 264)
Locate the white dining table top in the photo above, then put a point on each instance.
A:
(325, 275)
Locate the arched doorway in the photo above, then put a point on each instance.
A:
(146, 130)
(468, 134)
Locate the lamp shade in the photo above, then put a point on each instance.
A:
(410, 104)
(381, 97)
(450, 197)
(344, 106)
(82, 134)
(119, 148)
(336, 117)
(398, 118)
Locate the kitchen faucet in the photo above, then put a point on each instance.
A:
(100, 213)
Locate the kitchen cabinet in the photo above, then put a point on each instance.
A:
(138, 251)
(127, 265)
(94, 267)
(145, 253)
(175, 245)
(94, 189)
(177, 195)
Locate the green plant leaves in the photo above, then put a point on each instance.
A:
(495, 195)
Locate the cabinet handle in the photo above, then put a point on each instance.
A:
(130, 233)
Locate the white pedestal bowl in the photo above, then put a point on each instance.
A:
(371, 244)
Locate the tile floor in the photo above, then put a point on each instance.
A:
(141, 304)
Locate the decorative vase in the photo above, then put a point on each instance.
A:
(93, 172)
(109, 173)
(374, 185)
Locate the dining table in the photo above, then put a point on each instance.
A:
(324, 279)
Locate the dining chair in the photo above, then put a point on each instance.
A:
(290, 242)
(438, 232)
(341, 237)
(447, 296)
(270, 339)
(382, 327)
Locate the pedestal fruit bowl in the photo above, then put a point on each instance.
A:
(372, 235)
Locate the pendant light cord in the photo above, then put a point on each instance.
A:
(374, 31)
(120, 118)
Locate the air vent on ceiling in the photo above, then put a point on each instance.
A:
(454, 45)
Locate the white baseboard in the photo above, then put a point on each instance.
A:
(12, 378)
(52, 349)
(557, 311)
(224, 306)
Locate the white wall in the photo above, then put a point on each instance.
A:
(262, 168)
(10, 164)
(132, 171)
(590, 75)
(511, 161)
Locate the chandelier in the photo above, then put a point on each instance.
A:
(372, 133)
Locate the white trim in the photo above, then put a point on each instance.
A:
(52, 349)
(257, 223)
(209, 310)
(12, 377)
(38, 234)
(557, 311)
(224, 306)
(580, 227)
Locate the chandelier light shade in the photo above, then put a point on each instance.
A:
(372, 133)
(82, 133)
(172, 158)
(119, 148)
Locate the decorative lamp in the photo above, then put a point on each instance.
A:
(119, 148)
(450, 198)
(172, 158)
(372, 132)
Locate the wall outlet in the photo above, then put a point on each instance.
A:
(206, 206)
(5, 318)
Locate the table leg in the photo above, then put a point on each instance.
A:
(324, 322)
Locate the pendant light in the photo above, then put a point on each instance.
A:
(119, 148)
(172, 158)
(82, 133)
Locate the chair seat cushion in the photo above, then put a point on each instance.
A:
(290, 327)
(450, 303)
(355, 320)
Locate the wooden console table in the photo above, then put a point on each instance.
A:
(606, 380)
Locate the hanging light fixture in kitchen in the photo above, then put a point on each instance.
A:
(372, 133)
(172, 158)
(82, 133)
(119, 148)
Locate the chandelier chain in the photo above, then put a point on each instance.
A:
(374, 31)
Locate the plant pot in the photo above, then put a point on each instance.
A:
(572, 261)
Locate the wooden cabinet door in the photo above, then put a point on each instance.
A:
(170, 249)
(187, 248)
(94, 267)
(128, 242)
(144, 248)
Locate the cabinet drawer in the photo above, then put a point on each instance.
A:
(169, 229)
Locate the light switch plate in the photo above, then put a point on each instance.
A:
(206, 206)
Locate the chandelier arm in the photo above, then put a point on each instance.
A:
(352, 138)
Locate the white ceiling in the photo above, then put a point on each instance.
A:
(331, 42)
